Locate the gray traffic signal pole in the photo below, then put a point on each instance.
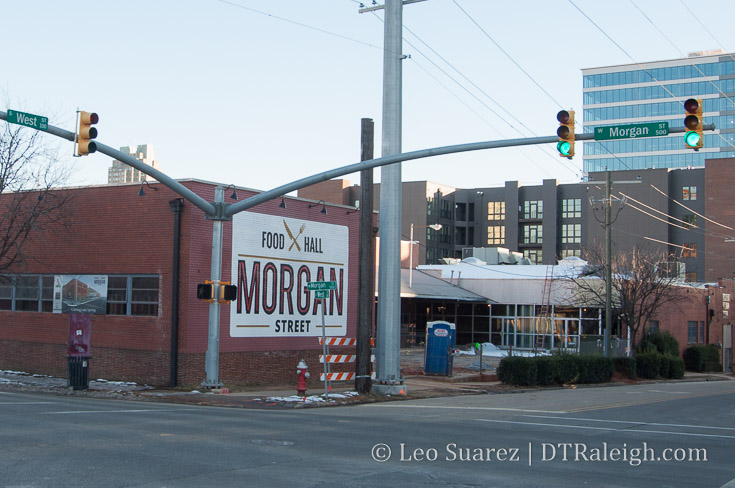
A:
(220, 211)
(388, 380)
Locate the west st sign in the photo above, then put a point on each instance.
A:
(28, 120)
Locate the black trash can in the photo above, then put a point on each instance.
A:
(77, 372)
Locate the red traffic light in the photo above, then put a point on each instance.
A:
(691, 105)
(563, 117)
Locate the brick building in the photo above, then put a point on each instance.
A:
(128, 239)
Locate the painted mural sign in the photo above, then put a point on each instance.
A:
(273, 259)
(84, 294)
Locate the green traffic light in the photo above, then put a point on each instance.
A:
(564, 148)
(691, 138)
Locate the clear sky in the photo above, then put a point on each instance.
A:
(262, 93)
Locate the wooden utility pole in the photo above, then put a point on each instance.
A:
(366, 269)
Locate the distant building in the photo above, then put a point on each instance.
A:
(120, 172)
(655, 92)
(685, 213)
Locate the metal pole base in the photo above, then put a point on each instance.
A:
(212, 384)
(389, 389)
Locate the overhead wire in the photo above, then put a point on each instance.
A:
(469, 92)
(476, 24)
(691, 210)
(692, 63)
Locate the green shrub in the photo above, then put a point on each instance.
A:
(664, 343)
(546, 370)
(712, 367)
(595, 369)
(625, 366)
(647, 364)
(664, 364)
(519, 371)
(567, 370)
(695, 358)
(676, 368)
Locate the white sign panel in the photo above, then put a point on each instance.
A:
(273, 259)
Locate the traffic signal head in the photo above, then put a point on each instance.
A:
(205, 291)
(227, 292)
(565, 146)
(693, 138)
(86, 133)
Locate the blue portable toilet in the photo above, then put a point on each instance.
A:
(440, 341)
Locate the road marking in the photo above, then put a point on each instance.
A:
(73, 412)
(643, 402)
(26, 403)
(587, 427)
(501, 409)
(630, 422)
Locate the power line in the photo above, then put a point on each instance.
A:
(300, 24)
(507, 55)
(691, 210)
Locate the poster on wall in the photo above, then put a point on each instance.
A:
(273, 259)
(85, 294)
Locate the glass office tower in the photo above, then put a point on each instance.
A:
(655, 92)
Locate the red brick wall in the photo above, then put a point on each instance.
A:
(114, 231)
(693, 307)
(720, 209)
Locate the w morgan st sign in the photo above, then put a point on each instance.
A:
(273, 260)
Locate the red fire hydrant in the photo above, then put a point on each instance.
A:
(301, 370)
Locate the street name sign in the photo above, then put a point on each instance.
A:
(28, 120)
(631, 131)
(321, 294)
(321, 285)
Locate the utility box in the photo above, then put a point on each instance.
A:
(440, 342)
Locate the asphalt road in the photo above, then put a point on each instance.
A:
(654, 435)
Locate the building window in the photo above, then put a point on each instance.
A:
(27, 293)
(132, 295)
(566, 253)
(689, 251)
(6, 293)
(571, 233)
(691, 276)
(429, 205)
(690, 221)
(533, 209)
(496, 210)
(533, 234)
(689, 193)
(446, 209)
(496, 235)
(126, 295)
(701, 332)
(571, 208)
(653, 327)
(460, 236)
(460, 211)
(692, 332)
(445, 235)
(533, 255)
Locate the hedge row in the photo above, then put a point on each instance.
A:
(547, 370)
(570, 368)
(651, 365)
(703, 359)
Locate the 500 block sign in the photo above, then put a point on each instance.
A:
(273, 259)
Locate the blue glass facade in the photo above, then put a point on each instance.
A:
(623, 95)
